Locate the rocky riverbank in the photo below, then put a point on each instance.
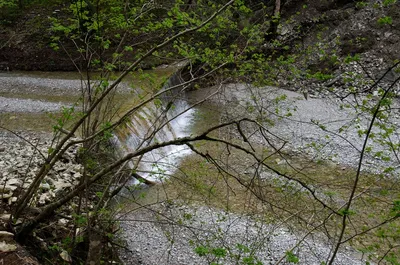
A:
(21, 155)
(20, 159)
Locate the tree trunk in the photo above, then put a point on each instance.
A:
(273, 28)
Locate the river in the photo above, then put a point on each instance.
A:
(171, 232)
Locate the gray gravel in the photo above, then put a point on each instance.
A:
(14, 83)
(338, 141)
(43, 83)
(40, 83)
(17, 84)
(153, 239)
(28, 105)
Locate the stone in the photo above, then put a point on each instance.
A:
(6, 196)
(62, 222)
(45, 186)
(5, 235)
(5, 247)
(59, 168)
(12, 200)
(5, 216)
(7, 188)
(61, 186)
(14, 182)
(44, 198)
(388, 34)
(65, 256)
(66, 176)
(77, 175)
(20, 164)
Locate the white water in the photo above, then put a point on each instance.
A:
(149, 126)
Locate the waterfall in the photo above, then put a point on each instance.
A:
(158, 123)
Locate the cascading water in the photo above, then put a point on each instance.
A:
(158, 123)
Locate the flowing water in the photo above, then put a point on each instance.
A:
(153, 125)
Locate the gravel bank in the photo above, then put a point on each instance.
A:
(43, 83)
(21, 158)
(28, 105)
(20, 84)
(153, 238)
(17, 84)
(323, 128)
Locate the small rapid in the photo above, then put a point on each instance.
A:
(155, 124)
(166, 118)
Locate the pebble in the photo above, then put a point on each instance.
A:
(6, 247)
(176, 244)
(17, 156)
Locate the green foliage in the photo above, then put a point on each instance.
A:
(291, 257)
(396, 208)
(55, 248)
(8, 3)
(361, 4)
(80, 220)
(386, 20)
(202, 251)
(346, 212)
(387, 3)
(320, 76)
(246, 255)
(219, 252)
(107, 134)
(352, 58)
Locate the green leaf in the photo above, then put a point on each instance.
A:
(201, 251)
(291, 257)
(219, 252)
(386, 20)
(396, 208)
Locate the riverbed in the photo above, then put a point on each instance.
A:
(171, 232)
